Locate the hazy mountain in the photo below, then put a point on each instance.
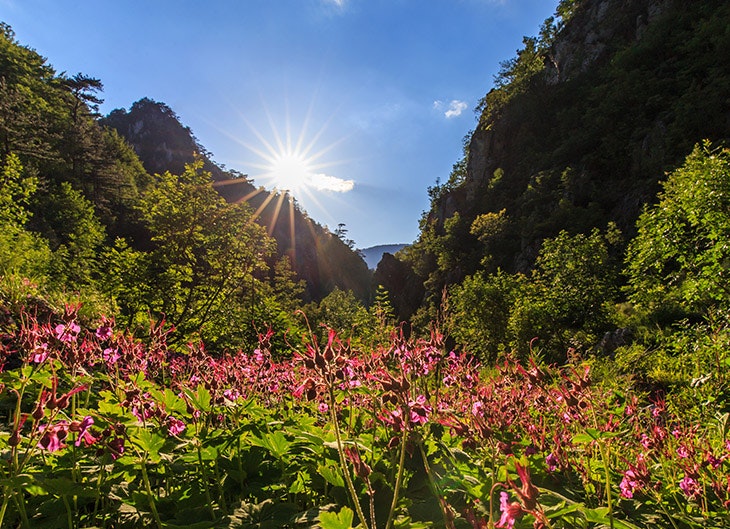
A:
(374, 254)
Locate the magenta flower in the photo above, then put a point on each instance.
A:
(419, 410)
(104, 332)
(111, 356)
(67, 333)
(53, 436)
(552, 462)
(630, 483)
(323, 407)
(510, 511)
(175, 426)
(83, 430)
(690, 486)
(116, 447)
(40, 353)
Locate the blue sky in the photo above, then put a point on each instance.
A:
(365, 102)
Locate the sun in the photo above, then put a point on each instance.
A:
(289, 171)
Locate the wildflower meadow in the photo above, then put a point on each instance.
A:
(100, 429)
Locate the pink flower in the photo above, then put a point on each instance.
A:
(40, 353)
(104, 332)
(419, 410)
(690, 486)
(116, 447)
(67, 333)
(510, 511)
(630, 483)
(323, 407)
(110, 356)
(84, 433)
(552, 462)
(53, 436)
(711, 460)
(175, 426)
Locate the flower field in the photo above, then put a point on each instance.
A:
(100, 429)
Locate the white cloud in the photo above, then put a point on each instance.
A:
(325, 182)
(456, 107)
(453, 109)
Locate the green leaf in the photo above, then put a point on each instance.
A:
(341, 520)
(332, 475)
(150, 442)
(276, 443)
(200, 399)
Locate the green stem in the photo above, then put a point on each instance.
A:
(20, 505)
(343, 463)
(219, 481)
(399, 477)
(6, 500)
(206, 487)
(607, 475)
(148, 489)
(434, 486)
(69, 516)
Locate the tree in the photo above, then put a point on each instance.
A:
(16, 188)
(479, 312)
(569, 298)
(21, 252)
(206, 252)
(75, 234)
(679, 260)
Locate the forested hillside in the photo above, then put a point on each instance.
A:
(126, 213)
(529, 233)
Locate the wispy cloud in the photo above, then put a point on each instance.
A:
(451, 110)
(325, 182)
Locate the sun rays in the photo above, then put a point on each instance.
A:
(289, 165)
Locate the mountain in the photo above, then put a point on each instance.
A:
(576, 133)
(374, 254)
(319, 257)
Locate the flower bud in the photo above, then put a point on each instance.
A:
(14, 439)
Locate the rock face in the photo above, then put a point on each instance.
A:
(597, 28)
(158, 138)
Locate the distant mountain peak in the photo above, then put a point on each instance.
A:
(374, 254)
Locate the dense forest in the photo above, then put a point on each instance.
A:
(180, 348)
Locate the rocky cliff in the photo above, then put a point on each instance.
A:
(578, 131)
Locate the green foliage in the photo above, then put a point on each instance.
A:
(479, 311)
(16, 188)
(341, 310)
(680, 257)
(514, 78)
(567, 302)
(199, 276)
(75, 234)
(23, 253)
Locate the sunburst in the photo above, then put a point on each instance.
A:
(292, 166)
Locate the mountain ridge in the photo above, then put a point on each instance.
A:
(373, 254)
(319, 257)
